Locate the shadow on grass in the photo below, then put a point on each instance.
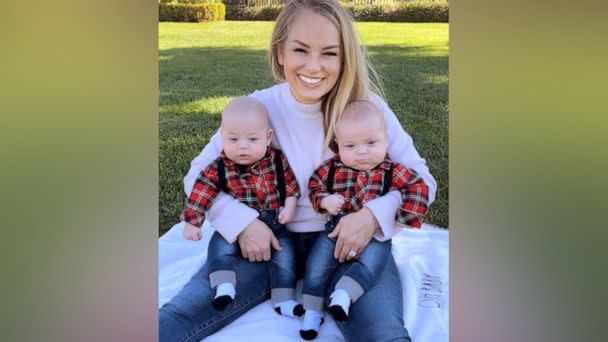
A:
(196, 83)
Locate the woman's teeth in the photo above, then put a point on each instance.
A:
(309, 80)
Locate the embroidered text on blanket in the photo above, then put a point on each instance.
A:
(430, 292)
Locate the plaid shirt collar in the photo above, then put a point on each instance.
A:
(385, 164)
(255, 167)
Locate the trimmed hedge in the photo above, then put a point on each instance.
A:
(406, 12)
(191, 12)
(189, 1)
(267, 13)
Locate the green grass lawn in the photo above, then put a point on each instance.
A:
(204, 65)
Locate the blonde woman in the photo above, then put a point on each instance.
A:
(321, 67)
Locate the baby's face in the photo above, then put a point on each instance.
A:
(245, 138)
(362, 143)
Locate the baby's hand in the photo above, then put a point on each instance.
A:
(191, 232)
(288, 211)
(286, 214)
(333, 203)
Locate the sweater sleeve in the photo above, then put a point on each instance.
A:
(227, 215)
(207, 155)
(402, 151)
(317, 186)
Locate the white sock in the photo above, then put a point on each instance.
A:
(341, 298)
(287, 307)
(312, 320)
(225, 289)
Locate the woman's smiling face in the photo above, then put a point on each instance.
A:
(311, 57)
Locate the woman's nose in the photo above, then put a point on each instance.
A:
(314, 64)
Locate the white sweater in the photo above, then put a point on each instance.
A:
(298, 131)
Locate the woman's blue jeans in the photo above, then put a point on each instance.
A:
(359, 275)
(222, 256)
(189, 316)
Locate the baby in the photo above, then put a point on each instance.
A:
(360, 172)
(259, 176)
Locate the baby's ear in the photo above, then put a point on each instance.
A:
(269, 137)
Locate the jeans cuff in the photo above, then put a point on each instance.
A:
(222, 276)
(351, 286)
(282, 294)
(313, 302)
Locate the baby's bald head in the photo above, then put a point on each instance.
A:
(361, 111)
(243, 109)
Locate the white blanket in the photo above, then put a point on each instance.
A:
(421, 256)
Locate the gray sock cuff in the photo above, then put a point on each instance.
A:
(282, 294)
(313, 302)
(351, 287)
(223, 276)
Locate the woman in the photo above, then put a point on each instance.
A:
(315, 53)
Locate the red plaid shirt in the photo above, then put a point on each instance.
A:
(255, 185)
(359, 187)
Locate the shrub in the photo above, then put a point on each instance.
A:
(191, 12)
(267, 13)
(188, 1)
(222, 10)
(405, 12)
(197, 1)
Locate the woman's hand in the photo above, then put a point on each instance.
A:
(255, 241)
(354, 232)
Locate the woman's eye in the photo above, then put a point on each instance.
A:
(232, 139)
(350, 146)
(253, 139)
(332, 54)
(371, 142)
(299, 50)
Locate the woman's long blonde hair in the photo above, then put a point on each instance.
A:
(354, 82)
